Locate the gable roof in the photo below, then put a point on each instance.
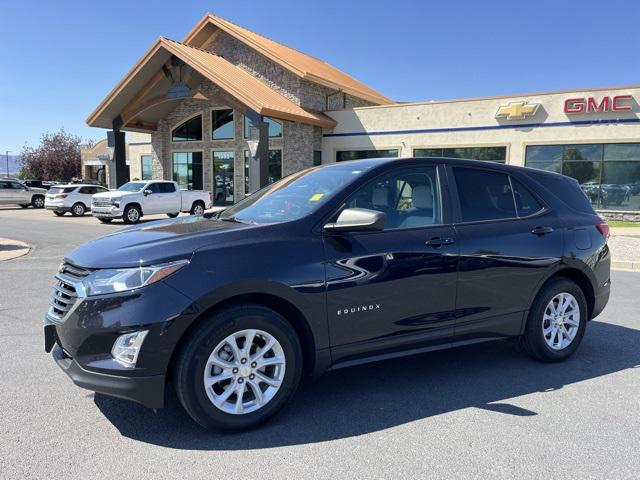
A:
(301, 64)
(234, 80)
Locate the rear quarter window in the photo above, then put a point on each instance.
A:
(566, 189)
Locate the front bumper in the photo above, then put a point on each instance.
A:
(81, 341)
(147, 391)
(106, 212)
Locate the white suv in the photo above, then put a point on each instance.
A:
(75, 198)
(17, 193)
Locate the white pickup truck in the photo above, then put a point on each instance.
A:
(134, 199)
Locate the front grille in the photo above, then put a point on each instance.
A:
(64, 293)
(99, 202)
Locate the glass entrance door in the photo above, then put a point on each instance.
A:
(223, 177)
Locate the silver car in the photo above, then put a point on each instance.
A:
(14, 192)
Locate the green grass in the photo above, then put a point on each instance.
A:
(622, 223)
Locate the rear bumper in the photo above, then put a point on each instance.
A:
(601, 299)
(147, 391)
(57, 208)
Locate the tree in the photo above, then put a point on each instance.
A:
(56, 158)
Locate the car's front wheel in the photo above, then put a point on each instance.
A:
(239, 368)
(556, 322)
(131, 214)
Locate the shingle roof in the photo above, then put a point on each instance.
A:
(301, 64)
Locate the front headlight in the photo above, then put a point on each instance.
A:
(115, 280)
(115, 202)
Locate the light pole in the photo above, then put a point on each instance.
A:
(7, 154)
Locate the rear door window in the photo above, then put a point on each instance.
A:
(484, 195)
(167, 188)
(526, 203)
(155, 188)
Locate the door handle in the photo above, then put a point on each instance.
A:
(541, 230)
(437, 242)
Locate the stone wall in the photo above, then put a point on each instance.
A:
(163, 147)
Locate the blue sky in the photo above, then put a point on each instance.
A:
(61, 57)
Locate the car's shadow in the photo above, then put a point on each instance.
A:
(377, 396)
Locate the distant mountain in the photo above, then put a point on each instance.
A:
(15, 164)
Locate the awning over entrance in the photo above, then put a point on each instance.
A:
(153, 86)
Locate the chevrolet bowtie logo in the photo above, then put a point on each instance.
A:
(517, 110)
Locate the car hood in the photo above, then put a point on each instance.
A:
(113, 194)
(156, 242)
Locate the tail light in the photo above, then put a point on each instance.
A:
(61, 195)
(603, 228)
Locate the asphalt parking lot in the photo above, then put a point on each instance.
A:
(479, 412)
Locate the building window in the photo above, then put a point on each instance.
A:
(491, 154)
(317, 158)
(275, 167)
(222, 124)
(275, 127)
(609, 174)
(146, 167)
(223, 177)
(362, 154)
(187, 170)
(189, 131)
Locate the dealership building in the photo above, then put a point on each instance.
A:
(228, 110)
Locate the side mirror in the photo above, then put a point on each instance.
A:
(357, 220)
(147, 192)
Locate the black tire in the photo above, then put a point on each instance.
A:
(195, 207)
(192, 360)
(105, 220)
(131, 214)
(533, 339)
(58, 214)
(78, 209)
(37, 201)
(172, 215)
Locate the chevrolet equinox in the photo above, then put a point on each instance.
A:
(329, 267)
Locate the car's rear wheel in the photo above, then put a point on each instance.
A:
(131, 214)
(58, 214)
(556, 322)
(239, 368)
(37, 201)
(78, 209)
(197, 208)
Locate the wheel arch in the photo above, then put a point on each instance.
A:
(284, 307)
(576, 275)
(134, 204)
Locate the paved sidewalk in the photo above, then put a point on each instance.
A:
(625, 248)
(12, 249)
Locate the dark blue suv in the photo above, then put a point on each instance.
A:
(330, 267)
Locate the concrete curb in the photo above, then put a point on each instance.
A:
(626, 266)
(10, 249)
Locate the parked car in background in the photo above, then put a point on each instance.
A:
(331, 267)
(71, 198)
(134, 199)
(14, 192)
(37, 184)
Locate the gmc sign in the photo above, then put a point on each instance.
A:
(618, 103)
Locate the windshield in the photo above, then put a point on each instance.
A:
(132, 187)
(294, 196)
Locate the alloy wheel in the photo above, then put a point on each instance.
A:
(132, 215)
(198, 210)
(78, 210)
(38, 202)
(561, 321)
(244, 371)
